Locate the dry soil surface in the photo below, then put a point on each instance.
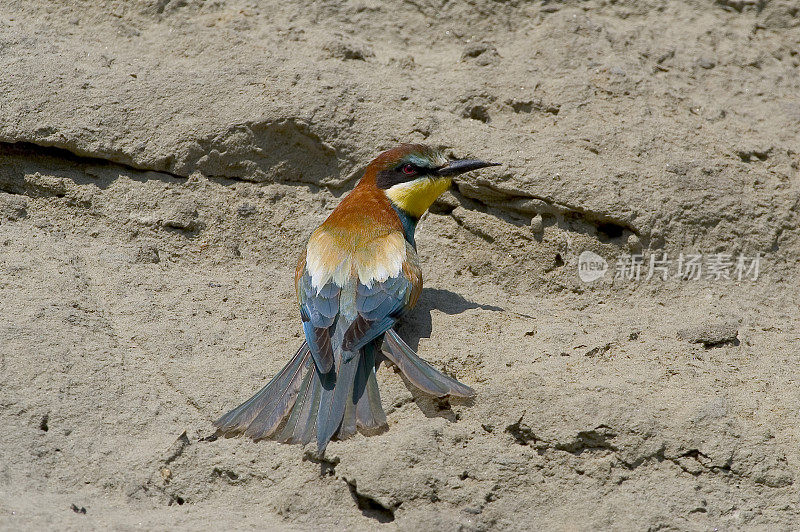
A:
(163, 161)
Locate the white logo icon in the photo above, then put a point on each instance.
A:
(591, 266)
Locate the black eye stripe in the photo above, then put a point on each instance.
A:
(394, 176)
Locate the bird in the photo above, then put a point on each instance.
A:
(357, 276)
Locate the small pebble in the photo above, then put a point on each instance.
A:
(147, 254)
(245, 209)
(537, 225)
(711, 334)
(705, 62)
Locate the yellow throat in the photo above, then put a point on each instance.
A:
(416, 196)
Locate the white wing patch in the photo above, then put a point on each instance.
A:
(374, 261)
(380, 259)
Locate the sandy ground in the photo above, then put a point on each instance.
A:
(161, 163)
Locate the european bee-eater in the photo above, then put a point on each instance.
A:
(358, 274)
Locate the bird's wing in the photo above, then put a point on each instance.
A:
(319, 311)
(379, 304)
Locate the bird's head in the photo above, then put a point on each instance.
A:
(413, 175)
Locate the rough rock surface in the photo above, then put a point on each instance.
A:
(161, 162)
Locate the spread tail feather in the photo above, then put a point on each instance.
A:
(335, 397)
(364, 411)
(302, 424)
(369, 412)
(261, 415)
(301, 404)
(420, 373)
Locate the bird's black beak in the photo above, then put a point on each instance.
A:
(459, 166)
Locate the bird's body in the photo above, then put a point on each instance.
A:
(358, 274)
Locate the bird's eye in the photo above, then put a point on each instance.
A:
(408, 169)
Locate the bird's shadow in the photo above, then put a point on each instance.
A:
(417, 324)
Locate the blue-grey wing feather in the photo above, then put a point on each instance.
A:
(379, 306)
(319, 311)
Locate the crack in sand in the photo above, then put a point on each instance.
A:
(522, 202)
(509, 201)
(599, 440)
